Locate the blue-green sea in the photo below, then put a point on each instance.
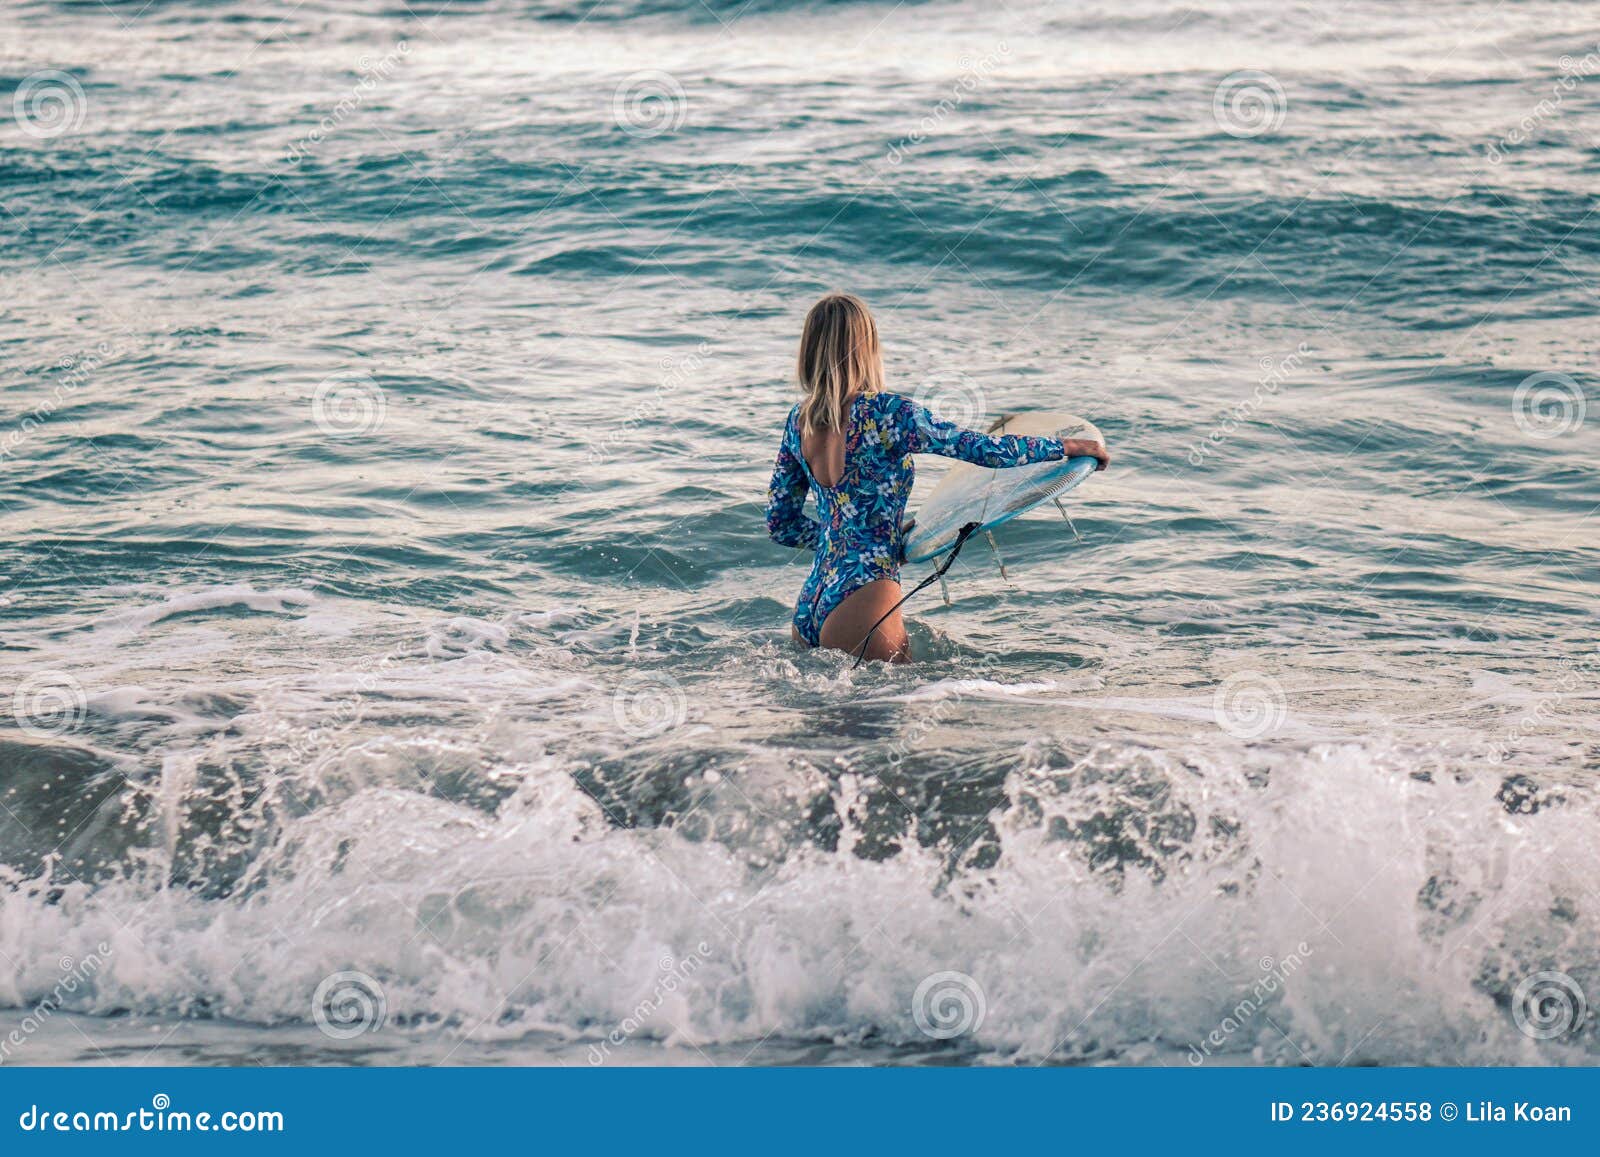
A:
(394, 667)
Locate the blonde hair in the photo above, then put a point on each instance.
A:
(839, 357)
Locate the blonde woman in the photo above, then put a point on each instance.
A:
(850, 444)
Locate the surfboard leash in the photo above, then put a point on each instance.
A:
(962, 535)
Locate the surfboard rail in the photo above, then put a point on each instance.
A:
(992, 496)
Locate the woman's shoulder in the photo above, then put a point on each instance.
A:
(888, 404)
(897, 411)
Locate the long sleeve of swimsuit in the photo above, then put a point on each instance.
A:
(921, 433)
(787, 521)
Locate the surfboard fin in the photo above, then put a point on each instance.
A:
(944, 589)
(1072, 525)
(996, 551)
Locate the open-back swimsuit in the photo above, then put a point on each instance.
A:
(860, 538)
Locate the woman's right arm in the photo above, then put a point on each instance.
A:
(787, 521)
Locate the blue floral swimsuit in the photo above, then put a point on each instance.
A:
(860, 538)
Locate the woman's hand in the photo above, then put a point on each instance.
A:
(1084, 448)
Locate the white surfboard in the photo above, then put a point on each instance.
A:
(990, 496)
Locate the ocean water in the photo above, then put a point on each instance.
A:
(397, 667)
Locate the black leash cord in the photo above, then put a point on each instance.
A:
(962, 535)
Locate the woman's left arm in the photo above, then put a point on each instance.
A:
(922, 433)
